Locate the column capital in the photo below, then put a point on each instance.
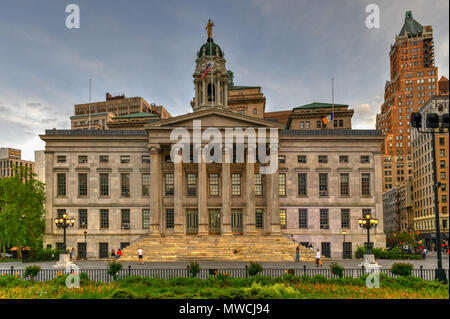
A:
(154, 147)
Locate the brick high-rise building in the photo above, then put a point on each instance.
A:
(414, 80)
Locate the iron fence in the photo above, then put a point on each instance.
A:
(169, 273)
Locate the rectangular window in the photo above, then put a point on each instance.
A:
(236, 184)
(104, 158)
(60, 213)
(301, 159)
(303, 218)
(104, 184)
(214, 184)
(343, 159)
(61, 159)
(259, 191)
(345, 218)
(365, 184)
(323, 159)
(318, 124)
(170, 218)
(323, 184)
(145, 184)
(365, 159)
(366, 211)
(192, 184)
(259, 213)
(283, 218)
(169, 184)
(326, 249)
(324, 221)
(125, 184)
(145, 159)
(82, 218)
(345, 184)
(281, 159)
(125, 221)
(82, 159)
(61, 184)
(82, 184)
(104, 219)
(103, 250)
(341, 123)
(146, 219)
(124, 159)
(302, 184)
(282, 184)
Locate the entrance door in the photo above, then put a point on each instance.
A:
(236, 221)
(81, 250)
(347, 249)
(103, 250)
(191, 221)
(214, 221)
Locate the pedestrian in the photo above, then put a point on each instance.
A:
(318, 262)
(311, 246)
(297, 253)
(119, 254)
(73, 255)
(113, 253)
(140, 256)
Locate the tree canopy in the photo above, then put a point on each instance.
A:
(22, 214)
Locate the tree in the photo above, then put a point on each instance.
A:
(22, 214)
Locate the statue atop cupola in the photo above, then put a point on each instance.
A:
(210, 76)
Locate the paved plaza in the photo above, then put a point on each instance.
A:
(429, 263)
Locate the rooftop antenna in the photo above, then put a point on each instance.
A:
(90, 82)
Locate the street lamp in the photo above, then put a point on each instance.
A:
(343, 248)
(432, 122)
(85, 245)
(368, 222)
(64, 222)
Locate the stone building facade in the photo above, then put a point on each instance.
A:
(10, 158)
(123, 185)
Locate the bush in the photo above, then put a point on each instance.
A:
(32, 271)
(254, 269)
(12, 281)
(402, 269)
(45, 254)
(337, 269)
(194, 269)
(394, 253)
(61, 279)
(123, 294)
(114, 268)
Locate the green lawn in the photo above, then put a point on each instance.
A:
(222, 287)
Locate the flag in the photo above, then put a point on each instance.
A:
(327, 119)
(208, 67)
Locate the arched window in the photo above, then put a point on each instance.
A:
(211, 92)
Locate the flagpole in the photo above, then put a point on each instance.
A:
(332, 99)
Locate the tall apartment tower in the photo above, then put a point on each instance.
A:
(414, 80)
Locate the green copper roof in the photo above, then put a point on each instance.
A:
(136, 115)
(87, 115)
(240, 87)
(210, 48)
(411, 26)
(317, 105)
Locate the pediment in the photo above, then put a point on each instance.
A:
(213, 118)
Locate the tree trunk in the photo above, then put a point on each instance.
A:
(4, 250)
(19, 252)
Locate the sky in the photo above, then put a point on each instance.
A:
(291, 48)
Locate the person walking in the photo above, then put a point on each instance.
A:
(318, 262)
(297, 253)
(140, 256)
(73, 255)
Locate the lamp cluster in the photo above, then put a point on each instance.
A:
(368, 222)
(64, 221)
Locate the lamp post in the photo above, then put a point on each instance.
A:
(368, 222)
(432, 122)
(343, 246)
(85, 245)
(64, 223)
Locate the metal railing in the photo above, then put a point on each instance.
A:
(169, 273)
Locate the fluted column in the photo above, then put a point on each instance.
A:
(249, 221)
(178, 196)
(202, 198)
(226, 194)
(155, 175)
(273, 204)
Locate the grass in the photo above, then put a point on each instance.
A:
(224, 287)
(9, 260)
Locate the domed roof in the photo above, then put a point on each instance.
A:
(210, 48)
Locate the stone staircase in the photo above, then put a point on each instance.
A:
(216, 248)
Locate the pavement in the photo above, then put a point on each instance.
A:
(429, 263)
